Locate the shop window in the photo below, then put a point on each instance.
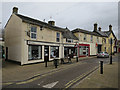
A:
(58, 37)
(33, 32)
(54, 52)
(83, 50)
(35, 52)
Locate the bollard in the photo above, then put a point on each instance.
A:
(111, 59)
(76, 59)
(55, 63)
(101, 67)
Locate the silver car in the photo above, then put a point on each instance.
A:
(103, 54)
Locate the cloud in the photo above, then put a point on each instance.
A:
(69, 14)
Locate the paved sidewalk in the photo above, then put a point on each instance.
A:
(109, 78)
(13, 72)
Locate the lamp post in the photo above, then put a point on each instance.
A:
(111, 41)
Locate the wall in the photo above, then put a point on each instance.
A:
(13, 38)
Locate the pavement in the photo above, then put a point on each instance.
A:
(12, 72)
(109, 78)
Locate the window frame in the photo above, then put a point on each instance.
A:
(33, 32)
(57, 37)
(71, 40)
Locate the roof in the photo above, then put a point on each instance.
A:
(66, 33)
(101, 33)
(105, 33)
(85, 31)
(38, 22)
(69, 35)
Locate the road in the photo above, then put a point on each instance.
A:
(65, 78)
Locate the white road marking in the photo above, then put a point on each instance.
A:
(50, 85)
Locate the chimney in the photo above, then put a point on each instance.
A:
(95, 27)
(51, 23)
(15, 10)
(99, 28)
(110, 27)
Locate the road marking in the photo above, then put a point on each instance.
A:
(70, 83)
(52, 72)
(50, 85)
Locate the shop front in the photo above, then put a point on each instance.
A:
(42, 51)
(84, 50)
(69, 50)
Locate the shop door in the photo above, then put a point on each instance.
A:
(46, 53)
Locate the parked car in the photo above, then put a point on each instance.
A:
(103, 54)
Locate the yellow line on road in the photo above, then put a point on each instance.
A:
(70, 83)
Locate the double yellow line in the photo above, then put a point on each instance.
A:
(70, 83)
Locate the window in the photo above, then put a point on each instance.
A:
(58, 37)
(69, 40)
(84, 37)
(33, 32)
(83, 50)
(91, 38)
(54, 52)
(34, 52)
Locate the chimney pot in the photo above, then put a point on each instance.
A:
(110, 27)
(15, 10)
(95, 27)
(99, 28)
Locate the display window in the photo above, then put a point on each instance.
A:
(34, 52)
(54, 52)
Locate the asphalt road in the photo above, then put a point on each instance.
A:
(65, 78)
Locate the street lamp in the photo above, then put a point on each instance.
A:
(111, 42)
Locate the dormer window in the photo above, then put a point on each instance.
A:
(33, 32)
(69, 40)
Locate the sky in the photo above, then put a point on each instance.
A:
(68, 14)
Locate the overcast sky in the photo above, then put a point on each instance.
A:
(68, 14)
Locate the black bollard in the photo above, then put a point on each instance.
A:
(111, 59)
(76, 59)
(101, 67)
(55, 63)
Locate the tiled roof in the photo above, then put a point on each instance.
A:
(69, 35)
(85, 31)
(40, 23)
(66, 33)
(101, 33)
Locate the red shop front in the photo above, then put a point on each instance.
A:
(84, 50)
